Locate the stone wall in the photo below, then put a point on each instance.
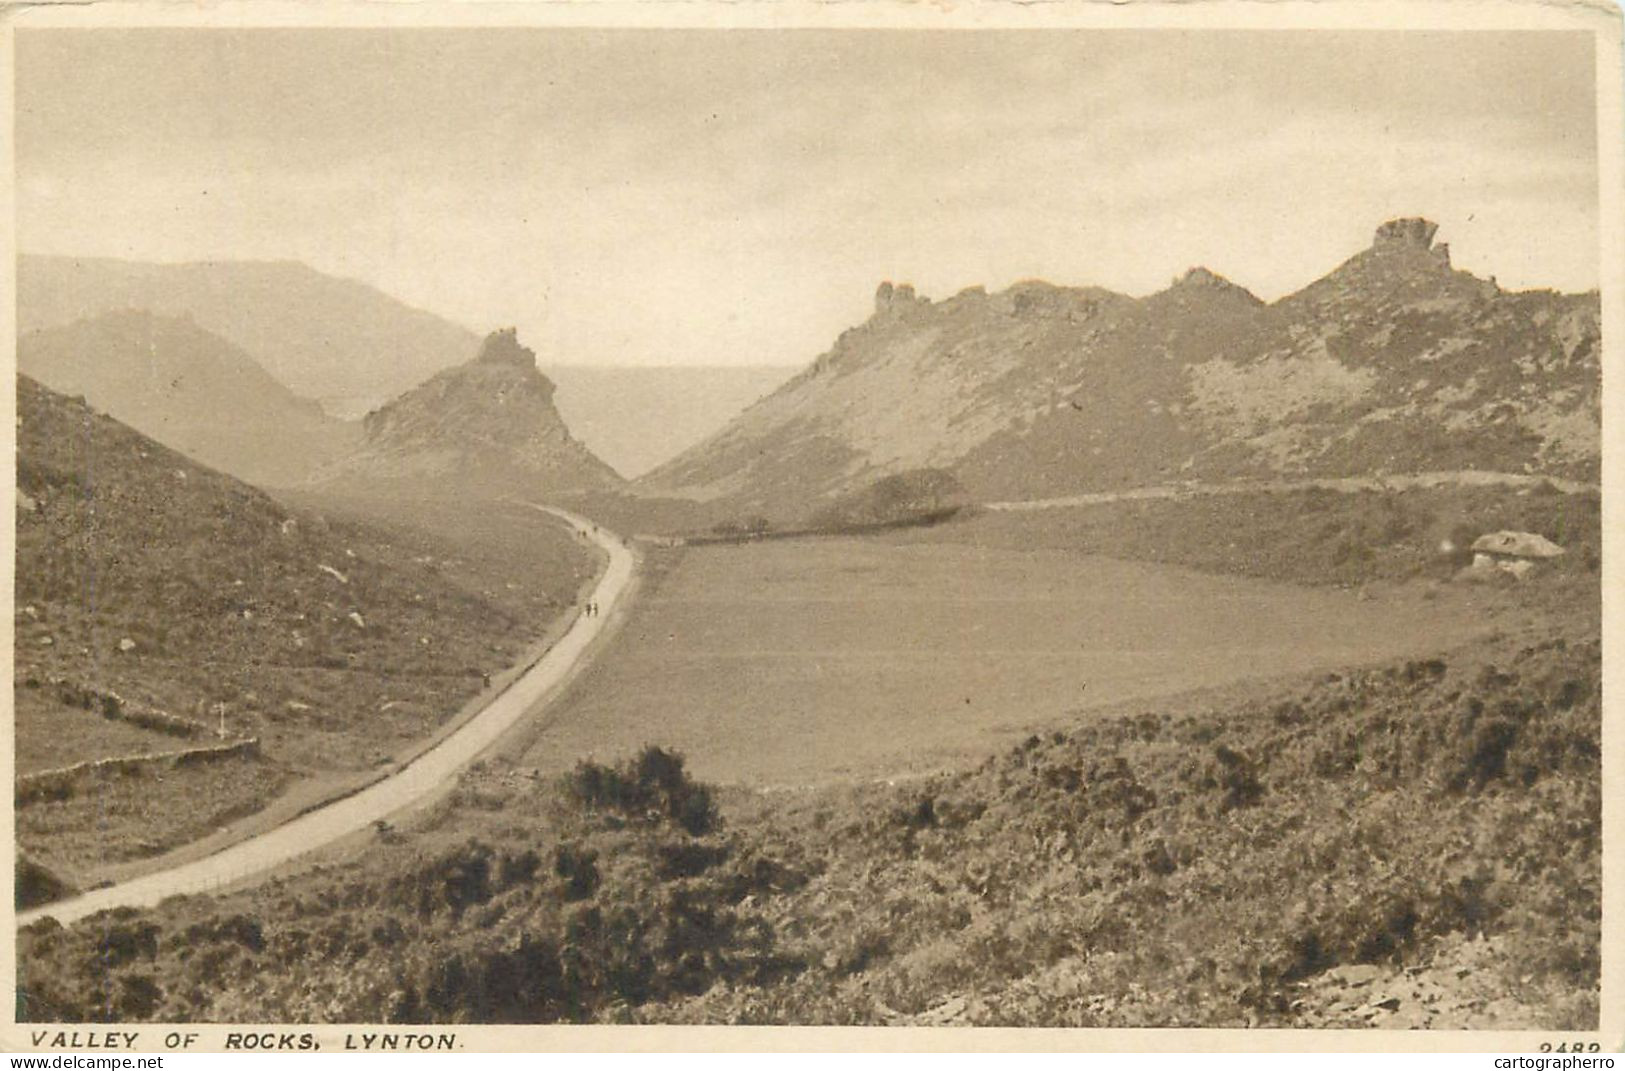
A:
(66, 781)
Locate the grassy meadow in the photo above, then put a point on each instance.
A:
(807, 660)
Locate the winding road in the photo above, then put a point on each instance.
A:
(414, 782)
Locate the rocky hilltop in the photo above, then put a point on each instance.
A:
(1393, 362)
(189, 389)
(486, 428)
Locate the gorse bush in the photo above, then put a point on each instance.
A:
(36, 885)
(578, 869)
(652, 787)
(460, 878)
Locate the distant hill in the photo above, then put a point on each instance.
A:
(320, 336)
(636, 416)
(353, 348)
(487, 428)
(1393, 362)
(190, 389)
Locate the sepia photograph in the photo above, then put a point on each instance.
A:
(891, 517)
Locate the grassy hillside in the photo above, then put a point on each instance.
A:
(1307, 537)
(1256, 862)
(336, 643)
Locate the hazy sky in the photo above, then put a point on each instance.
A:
(733, 197)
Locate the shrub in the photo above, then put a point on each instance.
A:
(916, 496)
(578, 867)
(922, 815)
(687, 859)
(518, 869)
(652, 787)
(36, 885)
(139, 997)
(458, 879)
(1484, 757)
(237, 929)
(1237, 778)
(123, 941)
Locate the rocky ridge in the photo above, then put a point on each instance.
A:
(1393, 362)
(487, 428)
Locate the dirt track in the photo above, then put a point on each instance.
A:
(1397, 482)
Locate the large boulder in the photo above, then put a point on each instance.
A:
(1516, 545)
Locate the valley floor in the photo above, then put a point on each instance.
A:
(793, 662)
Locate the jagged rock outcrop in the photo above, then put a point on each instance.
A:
(1413, 231)
(898, 300)
(487, 428)
(1413, 234)
(1203, 277)
(1392, 362)
(502, 347)
(1200, 278)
